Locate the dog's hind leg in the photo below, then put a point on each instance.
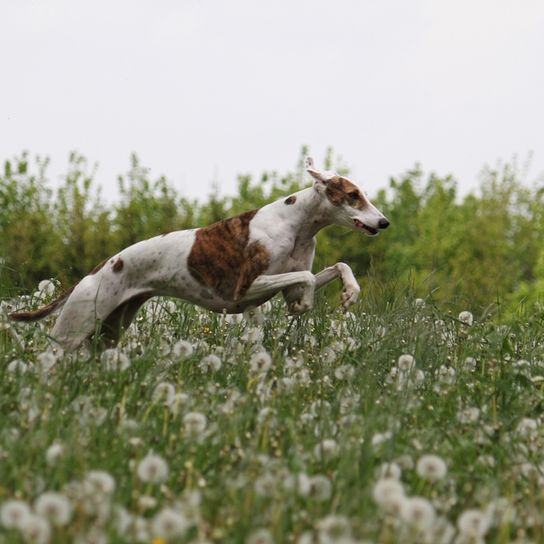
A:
(118, 321)
(92, 301)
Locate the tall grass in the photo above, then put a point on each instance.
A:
(279, 429)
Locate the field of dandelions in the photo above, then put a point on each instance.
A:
(390, 423)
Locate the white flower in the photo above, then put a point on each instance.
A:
(446, 375)
(468, 415)
(431, 468)
(380, 438)
(178, 402)
(469, 364)
(418, 512)
(419, 303)
(210, 363)
(194, 423)
(93, 536)
(13, 512)
(46, 287)
(260, 362)
(388, 494)
(527, 427)
(46, 361)
(326, 450)
(114, 360)
(54, 507)
(152, 469)
(473, 523)
(344, 372)
(390, 470)
(260, 536)
(320, 488)
(466, 317)
(100, 482)
(406, 362)
(334, 529)
(182, 349)
(35, 529)
(18, 367)
(54, 452)
(170, 524)
(233, 319)
(164, 392)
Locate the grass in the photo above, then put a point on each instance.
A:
(283, 447)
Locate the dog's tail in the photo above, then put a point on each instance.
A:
(44, 310)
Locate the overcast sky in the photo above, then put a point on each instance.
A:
(207, 89)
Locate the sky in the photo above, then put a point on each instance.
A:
(203, 90)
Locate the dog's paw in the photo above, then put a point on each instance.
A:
(299, 307)
(350, 294)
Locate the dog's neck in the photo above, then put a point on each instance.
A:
(309, 214)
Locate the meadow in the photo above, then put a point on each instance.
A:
(414, 418)
(396, 422)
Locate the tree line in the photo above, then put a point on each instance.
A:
(483, 251)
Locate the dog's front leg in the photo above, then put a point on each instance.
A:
(351, 289)
(302, 282)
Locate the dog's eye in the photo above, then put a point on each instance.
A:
(354, 195)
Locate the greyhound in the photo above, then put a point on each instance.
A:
(229, 266)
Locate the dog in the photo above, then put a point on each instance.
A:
(229, 266)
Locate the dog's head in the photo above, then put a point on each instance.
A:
(348, 205)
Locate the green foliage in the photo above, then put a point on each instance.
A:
(483, 248)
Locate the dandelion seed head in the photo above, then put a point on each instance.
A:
(54, 507)
(35, 529)
(170, 524)
(182, 349)
(164, 392)
(195, 423)
(326, 449)
(100, 482)
(260, 362)
(13, 512)
(431, 468)
(260, 536)
(152, 469)
(388, 493)
(473, 523)
(418, 512)
(17, 366)
(320, 488)
(466, 317)
(47, 287)
(210, 363)
(114, 360)
(468, 415)
(406, 362)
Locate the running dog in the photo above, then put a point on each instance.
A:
(230, 266)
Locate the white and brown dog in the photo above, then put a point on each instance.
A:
(229, 266)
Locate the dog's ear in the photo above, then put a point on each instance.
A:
(316, 174)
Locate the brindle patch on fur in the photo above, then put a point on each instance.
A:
(222, 259)
(118, 266)
(291, 200)
(342, 191)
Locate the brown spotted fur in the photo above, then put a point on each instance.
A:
(291, 200)
(118, 265)
(342, 191)
(222, 259)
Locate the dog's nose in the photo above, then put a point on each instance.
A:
(383, 223)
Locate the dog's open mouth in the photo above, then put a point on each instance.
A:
(366, 228)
